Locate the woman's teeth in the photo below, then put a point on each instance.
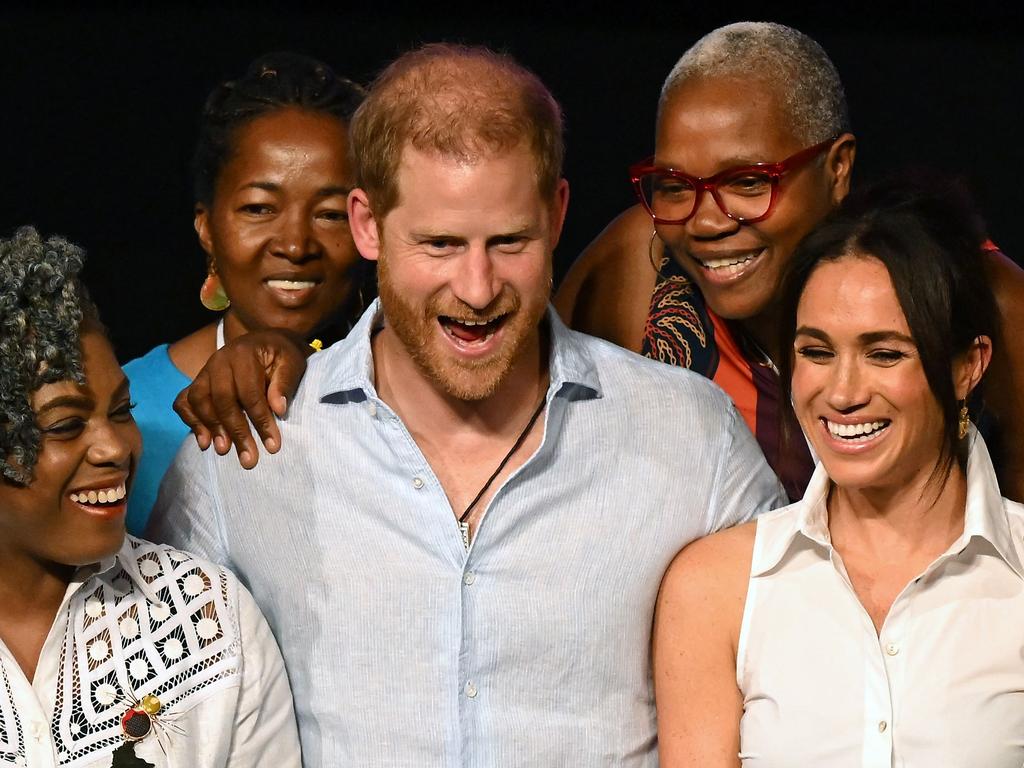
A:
(105, 496)
(862, 432)
(731, 265)
(291, 285)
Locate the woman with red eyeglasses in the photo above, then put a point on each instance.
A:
(752, 150)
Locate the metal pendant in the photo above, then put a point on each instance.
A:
(464, 530)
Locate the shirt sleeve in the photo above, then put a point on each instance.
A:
(746, 485)
(264, 732)
(186, 514)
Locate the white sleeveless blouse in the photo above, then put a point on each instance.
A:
(943, 684)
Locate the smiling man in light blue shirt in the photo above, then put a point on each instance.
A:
(460, 541)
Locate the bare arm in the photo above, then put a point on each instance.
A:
(254, 375)
(1004, 383)
(696, 630)
(607, 292)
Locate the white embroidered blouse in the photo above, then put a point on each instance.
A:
(151, 621)
(942, 685)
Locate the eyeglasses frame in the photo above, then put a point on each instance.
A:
(775, 172)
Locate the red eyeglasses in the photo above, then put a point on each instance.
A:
(745, 193)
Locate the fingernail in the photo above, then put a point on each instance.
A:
(245, 457)
(271, 444)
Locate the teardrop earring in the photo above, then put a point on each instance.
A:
(212, 294)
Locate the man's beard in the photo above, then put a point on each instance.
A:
(418, 328)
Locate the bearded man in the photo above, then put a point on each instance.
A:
(460, 540)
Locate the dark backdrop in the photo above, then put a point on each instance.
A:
(100, 111)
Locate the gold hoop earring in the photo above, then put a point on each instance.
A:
(964, 425)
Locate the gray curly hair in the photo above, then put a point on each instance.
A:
(805, 76)
(42, 306)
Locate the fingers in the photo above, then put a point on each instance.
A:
(194, 416)
(232, 387)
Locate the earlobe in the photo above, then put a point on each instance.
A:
(840, 163)
(363, 225)
(201, 222)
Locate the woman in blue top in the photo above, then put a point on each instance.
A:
(271, 181)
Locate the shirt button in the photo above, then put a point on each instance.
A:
(470, 690)
(417, 483)
(882, 725)
(892, 649)
(469, 578)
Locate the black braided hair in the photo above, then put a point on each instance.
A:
(273, 81)
(42, 306)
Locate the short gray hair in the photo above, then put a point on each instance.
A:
(809, 84)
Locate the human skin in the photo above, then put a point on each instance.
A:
(855, 363)
(277, 230)
(51, 526)
(469, 241)
(715, 124)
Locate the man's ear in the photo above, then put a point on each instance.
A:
(971, 365)
(201, 222)
(559, 205)
(839, 163)
(364, 225)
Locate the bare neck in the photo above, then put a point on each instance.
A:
(31, 593)
(889, 524)
(433, 415)
(763, 330)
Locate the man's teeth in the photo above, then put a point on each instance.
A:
(867, 430)
(291, 285)
(731, 265)
(104, 496)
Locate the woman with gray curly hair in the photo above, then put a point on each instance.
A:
(113, 651)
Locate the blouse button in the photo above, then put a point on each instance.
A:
(417, 483)
(882, 725)
(892, 649)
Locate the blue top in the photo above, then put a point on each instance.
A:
(533, 647)
(155, 382)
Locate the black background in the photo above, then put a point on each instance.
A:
(100, 107)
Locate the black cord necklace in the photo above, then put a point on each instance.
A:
(464, 517)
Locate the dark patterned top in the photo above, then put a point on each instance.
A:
(681, 330)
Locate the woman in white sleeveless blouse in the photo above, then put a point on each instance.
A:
(879, 621)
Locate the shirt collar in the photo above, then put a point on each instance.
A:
(123, 557)
(984, 516)
(349, 378)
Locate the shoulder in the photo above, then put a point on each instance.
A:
(626, 372)
(154, 362)
(607, 290)
(718, 564)
(154, 561)
(706, 584)
(1006, 279)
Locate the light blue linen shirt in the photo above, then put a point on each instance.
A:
(532, 649)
